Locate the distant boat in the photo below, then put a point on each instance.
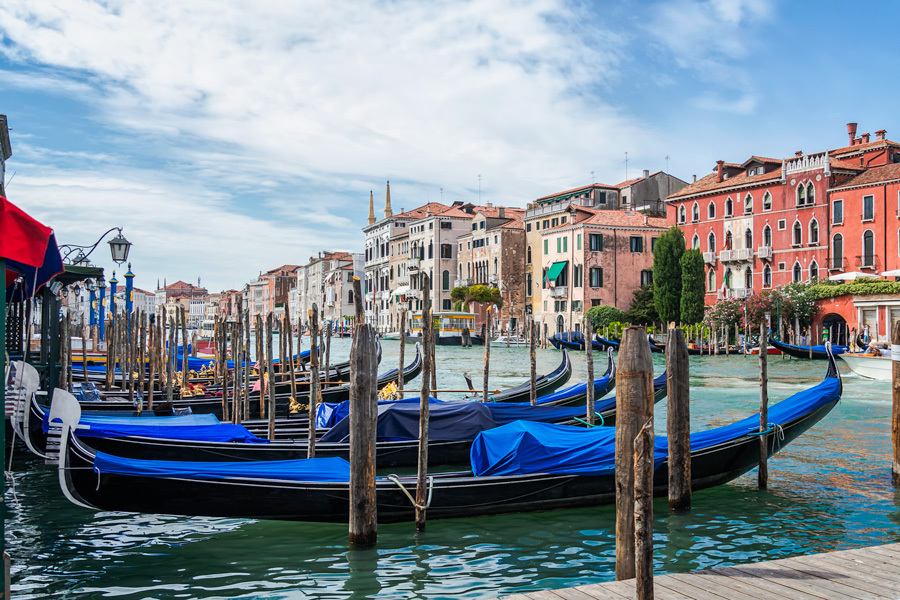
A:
(873, 367)
(509, 340)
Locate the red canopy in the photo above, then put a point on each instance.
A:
(22, 239)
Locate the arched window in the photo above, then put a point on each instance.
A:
(695, 242)
(813, 270)
(767, 236)
(810, 193)
(767, 276)
(695, 212)
(729, 207)
(801, 195)
(468, 270)
(711, 281)
(868, 248)
(748, 238)
(748, 278)
(430, 250)
(727, 279)
(728, 241)
(528, 256)
(711, 242)
(798, 272)
(837, 252)
(496, 267)
(748, 204)
(798, 234)
(445, 280)
(681, 214)
(767, 201)
(711, 210)
(814, 231)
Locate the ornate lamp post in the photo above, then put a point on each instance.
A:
(113, 284)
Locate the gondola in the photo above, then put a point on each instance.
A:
(570, 340)
(817, 352)
(577, 394)
(525, 478)
(545, 384)
(609, 343)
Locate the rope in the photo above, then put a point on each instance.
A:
(602, 420)
(583, 422)
(396, 480)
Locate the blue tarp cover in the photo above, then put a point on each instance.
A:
(191, 427)
(601, 384)
(448, 421)
(523, 447)
(820, 348)
(308, 469)
(89, 417)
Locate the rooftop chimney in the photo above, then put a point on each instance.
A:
(501, 212)
(881, 134)
(720, 167)
(646, 220)
(798, 153)
(851, 131)
(488, 205)
(865, 138)
(695, 179)
(646, 173)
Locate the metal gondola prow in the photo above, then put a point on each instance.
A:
(833, 370)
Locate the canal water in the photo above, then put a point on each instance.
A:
(828, 490)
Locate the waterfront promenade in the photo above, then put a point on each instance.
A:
(860, 574)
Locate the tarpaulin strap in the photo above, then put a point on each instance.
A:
(396, 480)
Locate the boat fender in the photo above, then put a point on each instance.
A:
(396, 480)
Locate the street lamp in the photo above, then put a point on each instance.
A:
(118, 247)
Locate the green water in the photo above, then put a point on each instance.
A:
(828, 490)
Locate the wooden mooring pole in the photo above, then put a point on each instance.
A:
(363, 524)
(589, 359)
(678, 421)
(424, 414)
(401, 379)
(634, 384)
(643, 511)
(486, 335)
(895, 413)
(763, 478)
(314, 376)
(532, 344)
(270, 353)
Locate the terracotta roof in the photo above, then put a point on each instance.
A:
(761, 159)
(287, 268)
(418, 213)
(583, 188)
(862, 147)
(611, 218)
(873, 175)
(710, 183)
(143, 291)
(837, 163)
(625, 184)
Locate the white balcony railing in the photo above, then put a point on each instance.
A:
(709, 257)
(463, 283)
(412, 264)
(743, 254)
(559, 291)
(725, 256)
(764, 252)
(740, 293)
(402, 279)
(493, 278)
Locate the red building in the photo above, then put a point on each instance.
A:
(767, 222)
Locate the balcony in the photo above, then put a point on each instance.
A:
(412, 264)
(402, 280)
(764, 252)
(868, 261)
(740, 293)
(743, 254)
(493, 278)
(836, 263)
(709, 258)
(725, 256)
(560, 291)
(462, 283)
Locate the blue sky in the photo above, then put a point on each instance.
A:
(230, 138)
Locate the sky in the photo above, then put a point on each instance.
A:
(228, 138)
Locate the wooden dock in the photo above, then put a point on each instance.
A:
(842, 575)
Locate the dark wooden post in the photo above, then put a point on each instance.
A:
(487, 355)
(532, 342)
(223, 354)
(314, 379)
(643, 511)
(424, 396)
(895, 412)
(84, 369)
(400, 380)
(678, 421)
(589, 359)
(363, 417)
(270, 350)
(246, 358)
(184, 350)
(328, 352)
(236, 343)
(634, 407)
(170, 360)
(286, 327)
(261, 366)
(763, 478)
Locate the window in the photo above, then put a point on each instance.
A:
(637, 244)
(767, 236)
(767, 276)
(496, 239)
(781, 266)
(447, 304)
(546, 246)
(767, 201)
(652, 244)
(596, 240)
(578, 242)
(695, 213)
(566, 244)
(837, 212)
(446, 251)
(798, 273)
(528, 255)
(546, 223)
(558, 245)
(711, 242)
(729, 243)
(813, 270)
(537, 227)
(681, 214)
(726, 281)
(446, 225)
(576, 276)
(801, 195)
(576, 306)
(554, 222)
(527, 227)
(814, 232)
(481, 225)
(474, 226)
(563, 220)
(797, 238)
(748, 278)
(748, 238)
(460, 246)
(711, 281)
(596, 274)
(837, 252)
(868, 249)
(729, 207)
(868, 208)
(430, 250)
(748, 204)
(695, 242)
(711, 210)
(528, 285)
(545, 306)
(445, 280)
(810, 194)
(782, 224)
(431, 225)
(646, 277)
(544, 283)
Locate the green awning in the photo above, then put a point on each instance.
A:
(555, 269)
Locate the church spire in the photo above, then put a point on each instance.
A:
(387, 202)
(371, 220)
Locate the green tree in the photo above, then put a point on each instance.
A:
(693, 286)
(667, 274)
(602, 315)
(642, 310)
(801, 298)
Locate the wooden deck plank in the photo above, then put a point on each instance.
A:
(696, 591)
(604, 591)
(831, 577)
(747, 586)
(572, 593)
(768, 589)
(881, 565)
(857, 573)
(793, 579)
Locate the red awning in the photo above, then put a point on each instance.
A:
(22, 239)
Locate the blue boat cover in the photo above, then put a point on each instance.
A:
(329, 414)
(90, 417)
(601, 385)
(307, 469)
(190, 427)
(523, 447)
(821, 348)
(448, 421)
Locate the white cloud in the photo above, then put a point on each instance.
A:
(305, 105)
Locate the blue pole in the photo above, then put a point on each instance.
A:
(113, 284)
(129, 296)
(102, 318)
(93, 307)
